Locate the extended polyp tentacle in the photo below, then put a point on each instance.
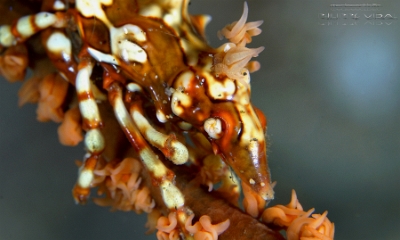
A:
(94, 141)
(27, 26)
(162, 177)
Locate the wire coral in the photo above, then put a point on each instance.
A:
(70, 130)
(13, 63)
(234, 56)
(299, 224)
(167, 227)
(120, 183)
(204, 230)
(52, 91)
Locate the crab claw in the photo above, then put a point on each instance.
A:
(250, 165)
(237, 134)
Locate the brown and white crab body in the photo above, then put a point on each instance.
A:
(147, 62)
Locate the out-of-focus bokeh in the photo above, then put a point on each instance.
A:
(330, 86)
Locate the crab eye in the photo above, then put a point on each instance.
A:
(213, 127)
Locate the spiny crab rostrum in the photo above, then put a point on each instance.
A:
(162, 111)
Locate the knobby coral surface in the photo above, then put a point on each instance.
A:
(166, 120)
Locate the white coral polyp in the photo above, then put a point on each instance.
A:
(232, 62)
(241, 32)
(233, 58)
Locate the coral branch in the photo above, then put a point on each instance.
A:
(202, 202)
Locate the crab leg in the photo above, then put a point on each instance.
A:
(171, 195)
(27, 26)
(94, 141)
(162, 176)
(59, 50)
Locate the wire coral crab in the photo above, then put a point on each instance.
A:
(166, 120)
